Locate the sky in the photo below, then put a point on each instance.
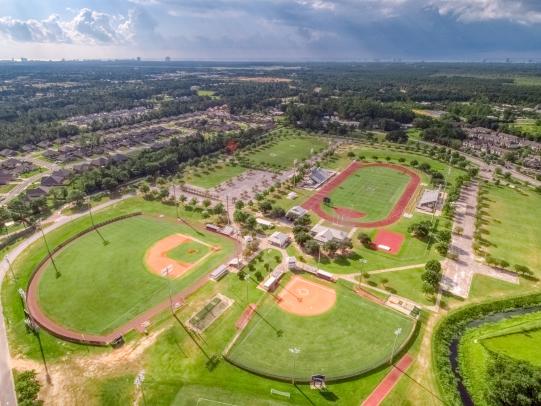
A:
(281, 30)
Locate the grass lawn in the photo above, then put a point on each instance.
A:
(371, 190)
(102, 287)
(281, 153)
(355, 334)
(7, 188)
(190, 252)
(406, 283)
(212, 177)
(514, 218)
(528, 127)
(518, 337)
(207, 93)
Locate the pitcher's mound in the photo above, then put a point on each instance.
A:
(306, 298)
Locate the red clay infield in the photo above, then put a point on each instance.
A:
(306, 298)
(157, 260)
(315, 202)
(390, 239)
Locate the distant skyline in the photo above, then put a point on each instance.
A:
(287, 30)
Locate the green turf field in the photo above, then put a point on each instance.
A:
(190, 252)
(281, 153)
(213, 176)
(353, 335)
(102, 287)
(371, 190)
(514, 224)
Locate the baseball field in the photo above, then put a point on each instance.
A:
(337, 335)
(97, 287)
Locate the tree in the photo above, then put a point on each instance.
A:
(398, 136)
(265, 206)
(522, 270)
(76, 196)
(433, 265)
(277, 212)
(219, 208)
(302, 237)
(431, 277)
(27, 387)
(311, 246)
(420, 230)
(331, 247)
(239, 204)
(206, 203)
(365, 240)
(428, 289)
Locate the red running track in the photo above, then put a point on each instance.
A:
(60, 331)
(384, 388)
(315, 202)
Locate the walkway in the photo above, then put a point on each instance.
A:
(458, 273)
(384, 388)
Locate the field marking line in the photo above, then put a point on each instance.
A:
(215, 401)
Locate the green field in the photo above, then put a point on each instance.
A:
(102, 287)
(281, 152)
(371, 190)
(190, 252)
(406, 283)
(212, 176)
(517, 337)
(528, 127)
(514, 224)
(355, 334)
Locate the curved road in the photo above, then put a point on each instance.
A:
(7, 391)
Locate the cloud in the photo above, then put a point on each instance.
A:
(520, 11)
(86, 27)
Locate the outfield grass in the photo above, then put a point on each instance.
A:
(370, 190)
(281, 153)
(102, 287)
(190, 252)
(514, 218)
(353, 335)
(212, 177)
(509, 337)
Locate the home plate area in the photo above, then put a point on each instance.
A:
(388, 241)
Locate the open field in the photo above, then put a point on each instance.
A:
(373, 191)
(514, 221)
(101, 287)
(213, 176)
(281, 152)
(528, 127)
(353, 335)
(517, 337)
(406, 283)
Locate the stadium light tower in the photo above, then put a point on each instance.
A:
(138, 382)
(57, 272)
(295, 351)
(397, 332)
(10, 268)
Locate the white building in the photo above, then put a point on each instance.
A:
(324, 234)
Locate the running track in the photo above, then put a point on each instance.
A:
(315, 202)
(388, 383)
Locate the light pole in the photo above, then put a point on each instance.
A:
(57, 272)
(397, 332)
(362, 261)
(295, 351)
(10, 268)
(138, 382)
(165, 272)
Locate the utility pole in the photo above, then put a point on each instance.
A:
(10, 268)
